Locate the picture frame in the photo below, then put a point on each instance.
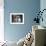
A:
(16, 18)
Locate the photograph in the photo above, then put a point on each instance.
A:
(16, 18)
(22, 22)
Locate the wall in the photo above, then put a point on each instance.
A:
(1, 21)
(43, 6)
(29, 8)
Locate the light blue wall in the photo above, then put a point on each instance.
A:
(43, 6)
(29, 8)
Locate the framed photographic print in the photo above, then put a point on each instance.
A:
(16, 18)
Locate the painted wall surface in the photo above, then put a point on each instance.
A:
(43, 6)
(1, 21)
(29, 8)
